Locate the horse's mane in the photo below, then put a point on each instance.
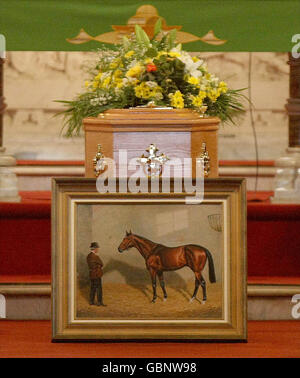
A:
(143, 238)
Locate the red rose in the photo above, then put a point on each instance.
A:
(151, 67)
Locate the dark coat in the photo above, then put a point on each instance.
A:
(95, 265)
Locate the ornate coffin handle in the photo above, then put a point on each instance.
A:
(99, 162)
(153, 162)
(206, 160)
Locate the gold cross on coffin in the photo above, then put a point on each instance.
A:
(153, 163)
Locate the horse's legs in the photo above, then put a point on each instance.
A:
(199, 280)
(162, 284)
(203, 285)
(197, 284)
(153, 278)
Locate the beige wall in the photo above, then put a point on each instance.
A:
(83, 240)
(33, 80)
(171, 225)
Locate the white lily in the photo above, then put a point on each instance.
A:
(191, 67)
(177, 49)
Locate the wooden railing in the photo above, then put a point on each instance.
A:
(293, 105)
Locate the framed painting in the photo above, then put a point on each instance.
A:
(148, 265)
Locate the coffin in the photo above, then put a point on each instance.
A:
(178, 133)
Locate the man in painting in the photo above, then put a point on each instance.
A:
(95, 265)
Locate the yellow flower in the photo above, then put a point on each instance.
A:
(117, 73)
(95, 84)
(86, 83)
(160, 53)
(129, 54)
(174, 54)
(148, 60)
(202, 94)
(98, 77)
(114, 64)
(106, 82)
(119, 83)
(144, 91)
(195, 59)
(197, 101)
(135, 71)
(222, 87)
(213, 94)
(177, 100)
(138, 90)
(193, 80)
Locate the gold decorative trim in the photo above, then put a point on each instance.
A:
(65, 190)
(25, 289)
(253, 290)
(263, 290)
(146, 17)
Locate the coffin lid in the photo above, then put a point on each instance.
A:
(151, 116)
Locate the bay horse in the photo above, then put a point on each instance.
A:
(160, 258)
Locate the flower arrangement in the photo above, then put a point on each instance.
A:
(156, 72)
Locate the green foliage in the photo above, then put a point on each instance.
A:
(141, 37)
(157, 27)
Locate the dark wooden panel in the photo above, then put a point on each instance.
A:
(293, 105)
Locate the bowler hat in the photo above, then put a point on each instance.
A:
(94, 245)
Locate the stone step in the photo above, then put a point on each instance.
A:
(33, 301)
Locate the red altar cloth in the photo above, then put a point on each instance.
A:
(273, 240)
(25, 238)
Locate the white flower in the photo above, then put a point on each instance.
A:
(203, 109)
(158, 96)
(101, 100)
(177, 49)
(118, 91)
(130, 80)
(191, 67)
(151, 84)
(94, 101)
(133, 63)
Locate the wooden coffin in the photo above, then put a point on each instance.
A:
(178, 133)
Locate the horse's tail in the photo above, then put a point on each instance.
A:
(211, 267)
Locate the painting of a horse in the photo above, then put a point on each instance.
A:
(160, 258)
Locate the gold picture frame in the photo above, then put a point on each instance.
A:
(130, 315)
